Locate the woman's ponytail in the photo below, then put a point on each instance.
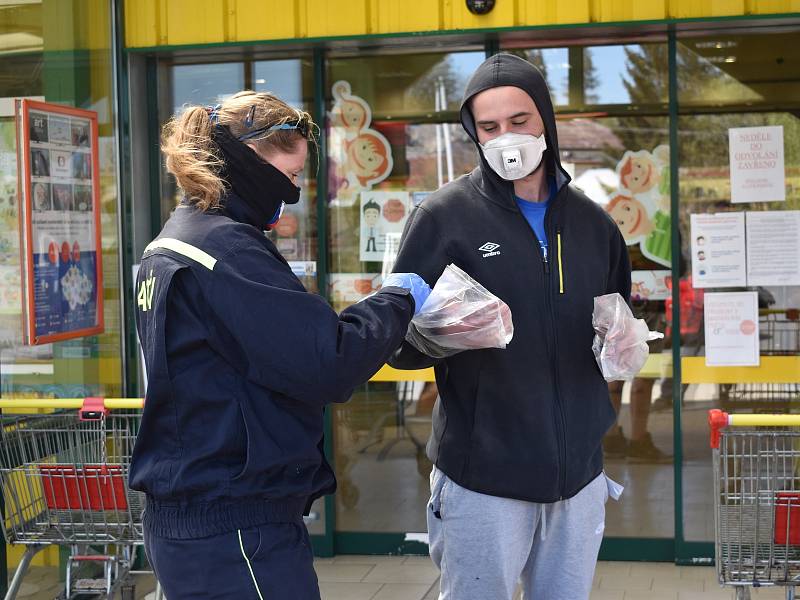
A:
(191, 157)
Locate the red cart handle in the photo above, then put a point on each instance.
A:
(717, 419)
(93, 409)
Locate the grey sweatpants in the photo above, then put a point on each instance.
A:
(484, 545)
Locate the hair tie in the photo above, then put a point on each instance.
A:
(213, 112)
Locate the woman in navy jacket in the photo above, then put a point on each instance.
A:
(241, 361)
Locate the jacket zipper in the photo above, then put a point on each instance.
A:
(562, 474)
(562, 477)
(560, 264)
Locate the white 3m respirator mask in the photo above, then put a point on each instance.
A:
(514, 155)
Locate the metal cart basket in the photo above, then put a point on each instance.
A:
(756, 500)
(64, 481)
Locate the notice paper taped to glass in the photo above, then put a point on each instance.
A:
(757, 164)
(731, 321)
(718, 250)
(773, 248)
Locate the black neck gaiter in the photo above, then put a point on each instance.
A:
(259, 189)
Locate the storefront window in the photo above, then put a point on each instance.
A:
(393, 138)
(740, 71)
(737, 69)
(289, 79)
(582, 78)
(206, 84)
(626, 74)
(555, 66)
(621, 161)
(68, 65)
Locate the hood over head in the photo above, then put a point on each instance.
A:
(508, 70)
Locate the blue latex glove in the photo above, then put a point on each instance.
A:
(413, 283)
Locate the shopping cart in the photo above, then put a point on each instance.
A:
(64, 482)
(756, 500)
(779, 333)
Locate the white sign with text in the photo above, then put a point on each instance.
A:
(731, 320)
(757, 164)
(718, 250)
(773, 247)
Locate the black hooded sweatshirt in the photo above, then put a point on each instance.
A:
(526, 422)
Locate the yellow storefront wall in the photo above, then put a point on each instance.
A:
(151, 23)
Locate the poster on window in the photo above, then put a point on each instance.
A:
(383, 216)
(59, 222)
(757, 164)
(641, 204)
(773, 248)
(718, 250)
(731, 321)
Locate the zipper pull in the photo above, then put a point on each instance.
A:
(546, 264)
(560, 262)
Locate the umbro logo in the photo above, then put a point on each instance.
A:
(490, 249)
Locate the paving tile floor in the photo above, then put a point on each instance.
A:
(415, 578)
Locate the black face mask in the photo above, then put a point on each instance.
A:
(261, 187)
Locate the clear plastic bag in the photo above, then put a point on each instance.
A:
(620, 341)
(460, 314)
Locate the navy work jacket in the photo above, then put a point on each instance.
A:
(241, 361)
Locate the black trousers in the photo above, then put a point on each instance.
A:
(270, 562)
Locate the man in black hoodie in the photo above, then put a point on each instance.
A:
(518, 489)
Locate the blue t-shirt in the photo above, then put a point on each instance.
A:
(534, 213)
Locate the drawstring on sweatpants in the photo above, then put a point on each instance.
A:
(543, 530)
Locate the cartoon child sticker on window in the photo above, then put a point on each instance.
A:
(641, 207)
(372, 215)
(362, 156)
(383, 218)
(367, 157)
(349, 112)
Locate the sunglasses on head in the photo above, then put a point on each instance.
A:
(300, 125)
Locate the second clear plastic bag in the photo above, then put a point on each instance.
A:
(460, 314)
(620, 341)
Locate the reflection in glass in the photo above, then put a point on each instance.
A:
(380, 457)
(555, 66)
(205, 84)
(578, 77)
(729, 69)
(398, 85)
(289, 79)
(626, 74)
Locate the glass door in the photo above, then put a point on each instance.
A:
(393, 138)
(729, 81)
(611, 106)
